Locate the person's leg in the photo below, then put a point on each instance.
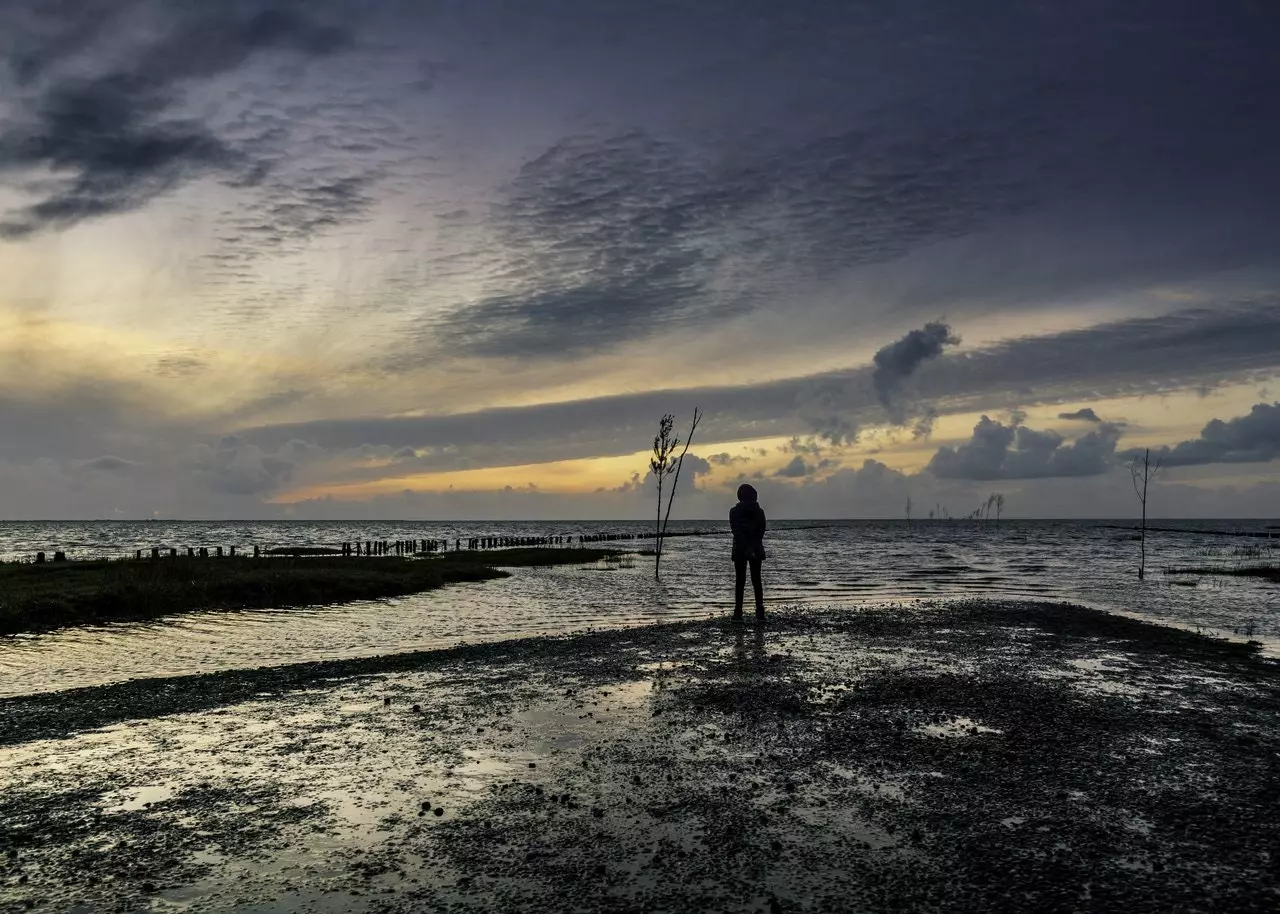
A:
(739, 584)
(758, 586)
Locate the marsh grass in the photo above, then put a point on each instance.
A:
(1269, 572)
(39, 597)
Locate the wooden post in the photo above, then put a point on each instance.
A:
(219, 551)
(39, 558)
(59, 556)
(173, 553)
(155, 552)
(191, 552)
(233, 551)
(256, 553)
(138, 554)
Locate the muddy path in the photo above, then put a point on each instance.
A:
(984, 756)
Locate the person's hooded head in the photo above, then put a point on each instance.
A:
(747, 493)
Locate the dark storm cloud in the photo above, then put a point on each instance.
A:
(1184, 349)
(1081, 415)
(1252, 438)
(608, 241)
(899, 360)
(1140, 356)
(617, 239)
(110, 129)
(998, 451)
(1125, 114)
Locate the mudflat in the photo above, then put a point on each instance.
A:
(987, 756)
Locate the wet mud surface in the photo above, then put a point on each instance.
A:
(979, 756)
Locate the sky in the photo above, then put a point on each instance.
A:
(455, 259)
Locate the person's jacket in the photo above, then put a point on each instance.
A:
(746, 520)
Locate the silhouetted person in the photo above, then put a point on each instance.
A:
(746, 520)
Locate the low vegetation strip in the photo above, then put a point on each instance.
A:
(1267, 572)
(53, 595)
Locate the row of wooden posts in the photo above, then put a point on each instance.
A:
(413, 546)
(480, 543)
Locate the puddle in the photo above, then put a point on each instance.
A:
(613, 777)
(138, 798)
(955, 728)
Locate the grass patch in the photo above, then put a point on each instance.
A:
(1267, 572)
(54, 595)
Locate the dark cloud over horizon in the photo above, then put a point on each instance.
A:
(1252, 438)
(1146, 355)
(998, 451)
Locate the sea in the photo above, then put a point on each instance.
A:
(830, 564)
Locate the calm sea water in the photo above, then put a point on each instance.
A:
(855, 563)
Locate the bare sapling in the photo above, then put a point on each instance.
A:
(662, 465)
(675, 481)
(1143, 472)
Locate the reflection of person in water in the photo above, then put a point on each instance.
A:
(746, 520)
(740, 648)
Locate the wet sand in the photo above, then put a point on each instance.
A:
(976, 756)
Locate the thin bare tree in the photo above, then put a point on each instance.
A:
(675, 481)
(1144, 472)
(662, 465)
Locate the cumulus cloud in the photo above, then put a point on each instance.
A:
(695, 466)
(998, 451)
(899, 360)
(795, 469)
(237, 468)
(1251, 438)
